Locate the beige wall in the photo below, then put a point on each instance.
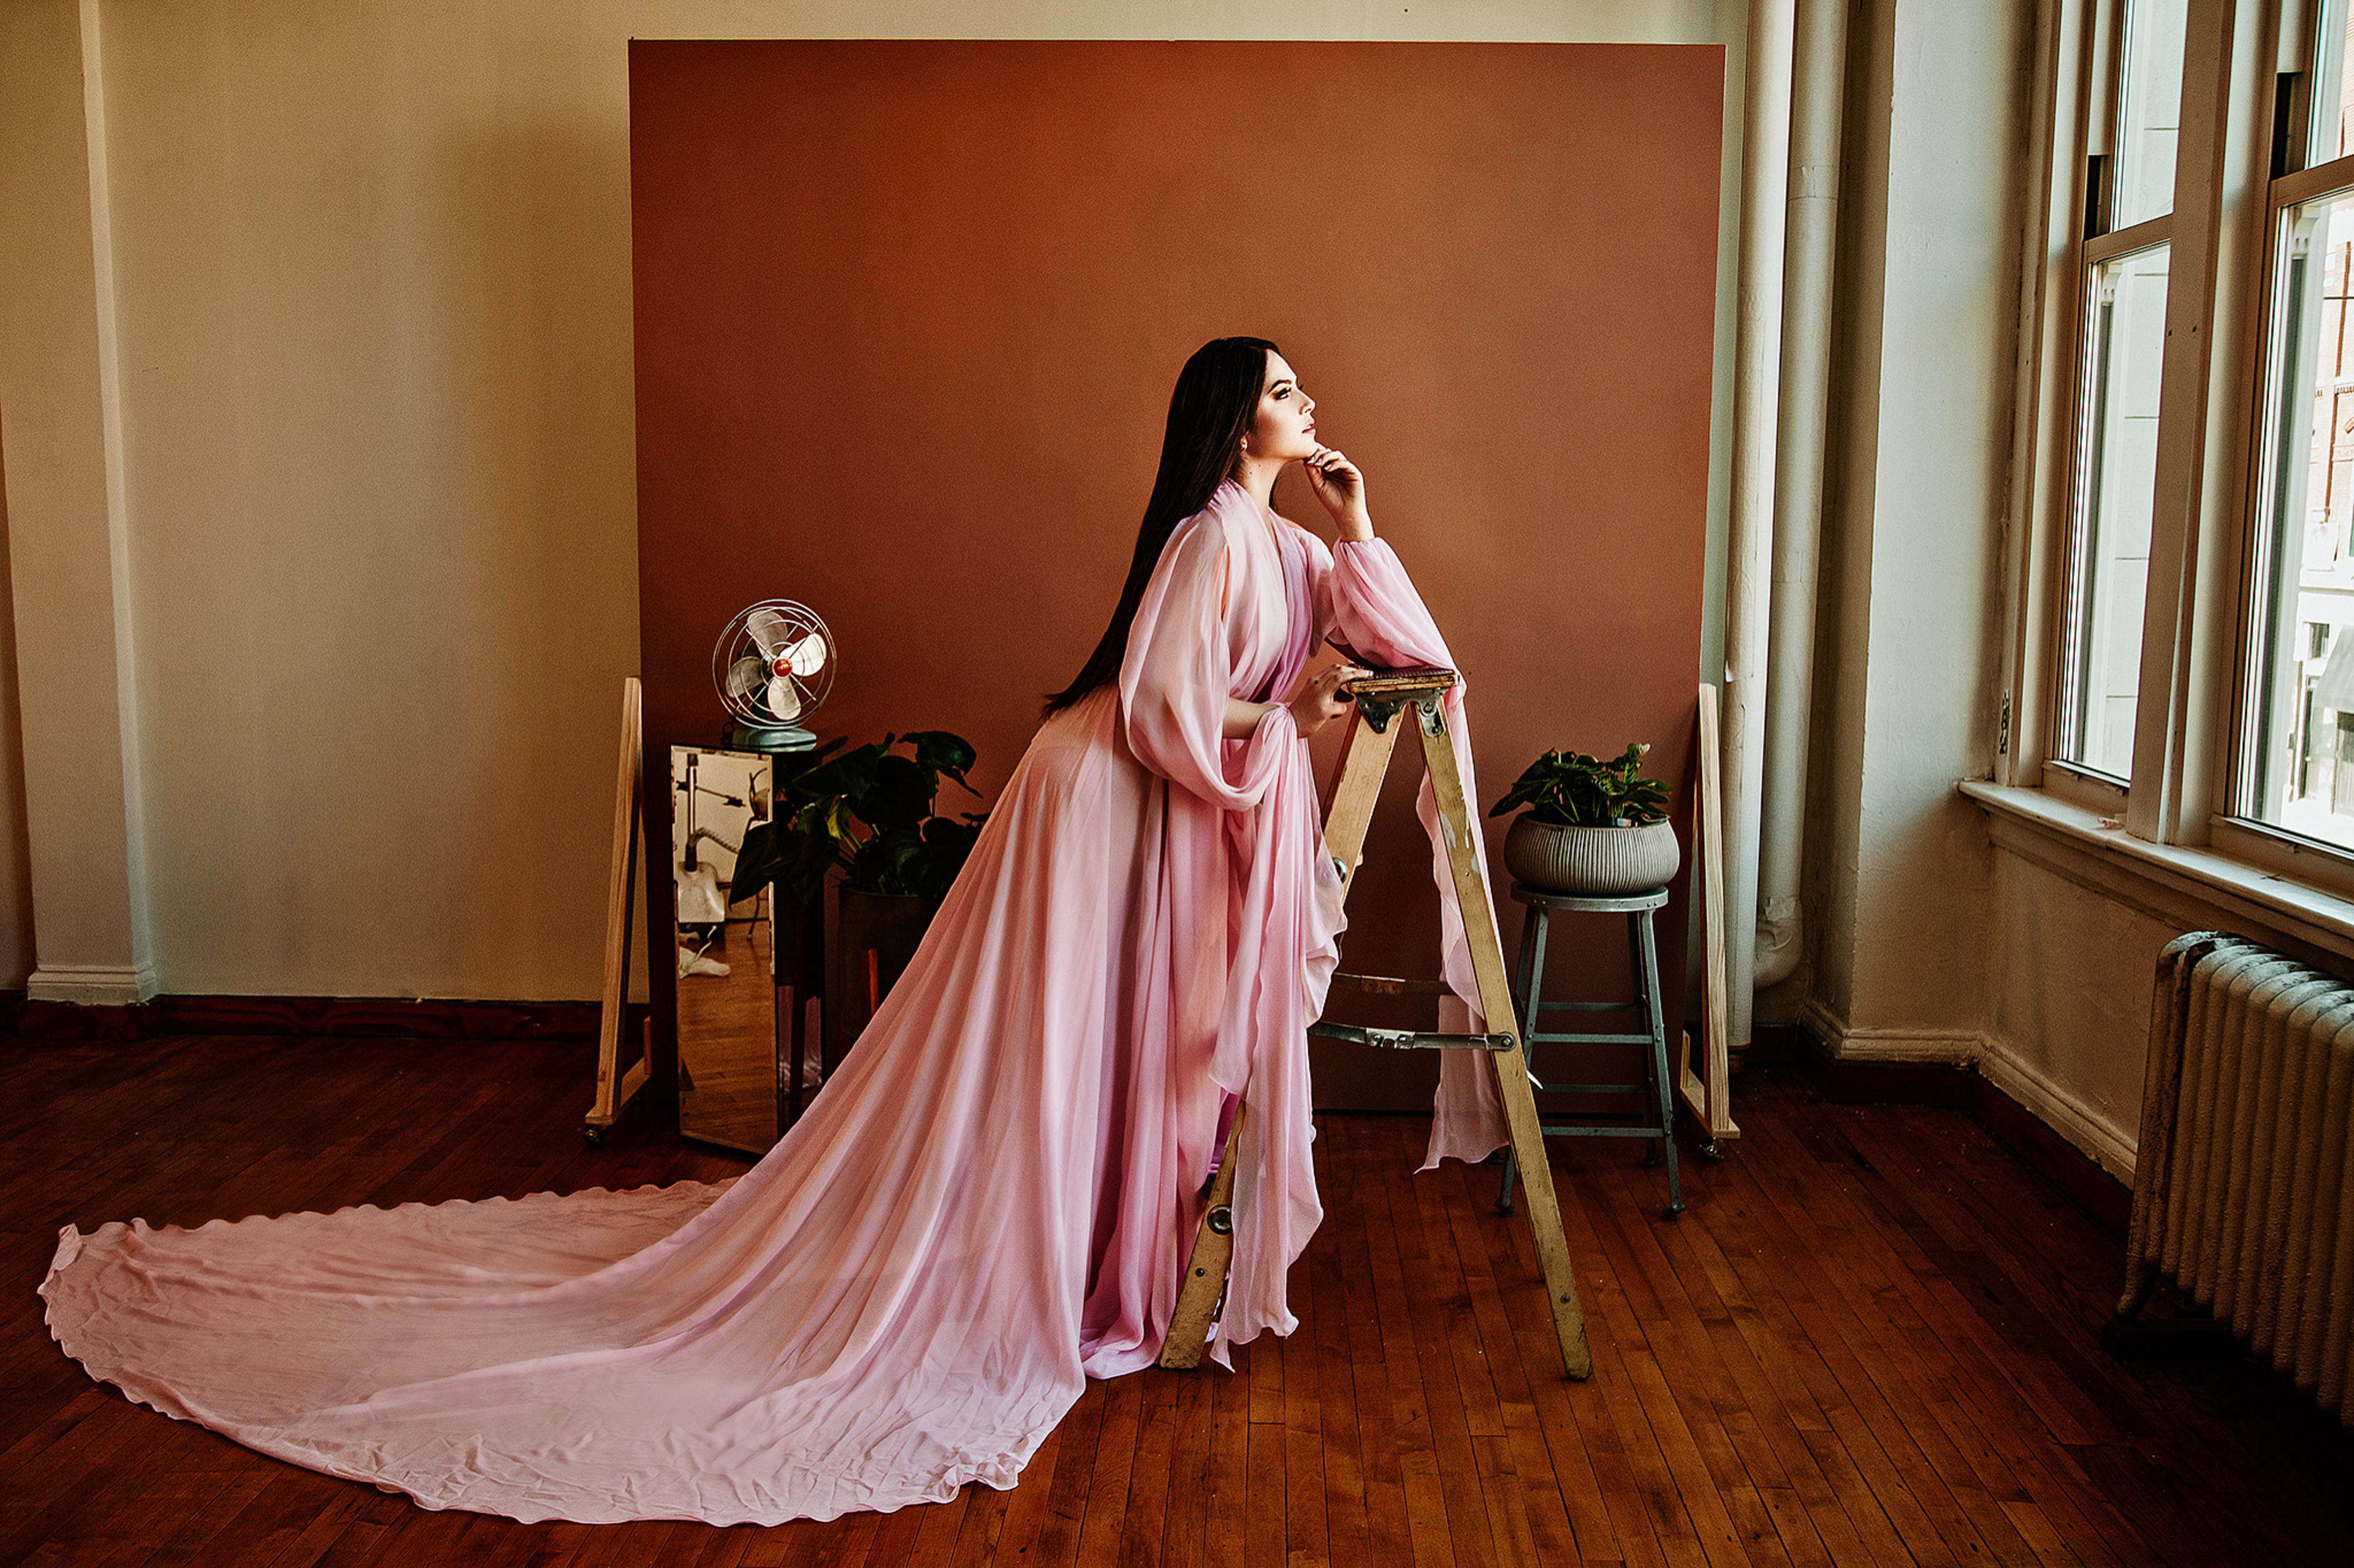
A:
(1899, 866)
(15, 852)
(370, 275)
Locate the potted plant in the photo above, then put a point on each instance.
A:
(1593, 828)
(866, 821)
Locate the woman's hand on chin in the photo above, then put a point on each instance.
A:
(1341, 487)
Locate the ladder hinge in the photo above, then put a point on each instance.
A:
(1378, 711)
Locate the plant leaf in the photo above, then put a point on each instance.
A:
(951, 754)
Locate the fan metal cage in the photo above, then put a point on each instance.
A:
(773, 665)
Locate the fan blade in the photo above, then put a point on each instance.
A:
(767, 630)
(807, 655)
(745, 677)
(784, 702)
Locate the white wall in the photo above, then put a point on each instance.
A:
(1901, 868)
(370, 275)
(2070, 1001)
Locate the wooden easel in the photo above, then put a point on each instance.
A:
(614, 1088)
(1710, 1097)
(1380, 699)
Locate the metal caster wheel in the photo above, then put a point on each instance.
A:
(1711, 1149)
(593, 1135)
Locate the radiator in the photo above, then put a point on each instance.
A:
(2243, 1185)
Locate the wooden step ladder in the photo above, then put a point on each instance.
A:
(1381, 700)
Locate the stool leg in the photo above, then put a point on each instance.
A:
(1528, 979)
(1666, 1106)
(1644, 1012)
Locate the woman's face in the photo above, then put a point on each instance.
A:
(1284, 427)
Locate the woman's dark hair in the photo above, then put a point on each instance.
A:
(1209, 414)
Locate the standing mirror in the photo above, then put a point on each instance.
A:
(726, 952)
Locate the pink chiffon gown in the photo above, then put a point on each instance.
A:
(992, 1201)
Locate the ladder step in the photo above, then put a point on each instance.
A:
(1411, 1039)
(1413, 680)
(1382, 985)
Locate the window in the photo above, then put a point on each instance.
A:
(2149, 104)
(2182, 649)
(2109, 569)
(2295, 769)
(2126, 248)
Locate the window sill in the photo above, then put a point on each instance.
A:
(2297, 910)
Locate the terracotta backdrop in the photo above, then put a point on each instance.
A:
(908, 315)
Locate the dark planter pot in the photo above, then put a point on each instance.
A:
(876, 935)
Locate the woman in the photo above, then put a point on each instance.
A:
(994, 1196)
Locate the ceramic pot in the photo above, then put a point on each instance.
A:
(1590, 863)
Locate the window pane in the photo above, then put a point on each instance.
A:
(2300, 774)
(2146, 109)
(2333, 86)
(2117, 462)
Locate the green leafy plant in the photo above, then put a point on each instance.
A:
(1571, 790)
(868, 814)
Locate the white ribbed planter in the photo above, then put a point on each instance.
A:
(1592, 863)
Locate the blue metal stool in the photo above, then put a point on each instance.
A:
(1657, 1121)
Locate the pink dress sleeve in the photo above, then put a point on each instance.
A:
(1365, 600)
(1179, 672)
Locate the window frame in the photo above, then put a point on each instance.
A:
(2188, 732)
(2292, 47)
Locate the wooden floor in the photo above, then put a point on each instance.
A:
(1872, 1340)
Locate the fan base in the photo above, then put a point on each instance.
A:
(768, 737)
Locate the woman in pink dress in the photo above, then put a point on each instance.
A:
(994, 1196)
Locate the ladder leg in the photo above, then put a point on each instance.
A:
(1357, 786)
(1205, 1272)
(1511, 1067)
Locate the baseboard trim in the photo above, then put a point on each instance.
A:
(93, 985)
(2019, 1127)
(1888, 1066)
(2057, 1134)
(32, 1017)
(2106, 1147)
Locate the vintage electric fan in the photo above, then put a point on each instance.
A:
(773, 666)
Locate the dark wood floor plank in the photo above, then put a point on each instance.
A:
(1185, 1535)
(1540, 1492)
(1105, 1519)
(1348, 1540)
(1910, 1363)
(1306, 1532)
(1388, 1518)
(977, 1532)
(1226, 1521)
(1144, 1521)
(1636, 1515)
(1437, 1303)
(1871, 1339)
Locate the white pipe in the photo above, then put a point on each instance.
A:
(1765, 176)
(1818, 88)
